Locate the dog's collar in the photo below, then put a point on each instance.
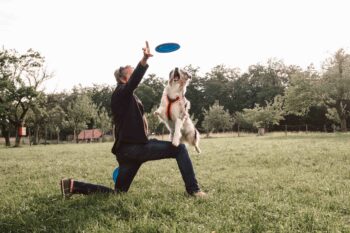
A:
(170, 102)
(173, 100)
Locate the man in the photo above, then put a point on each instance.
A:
(132, 147)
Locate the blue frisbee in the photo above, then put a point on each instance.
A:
(167, 47)
(115, 174)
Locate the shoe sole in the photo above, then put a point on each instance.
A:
(64, 195)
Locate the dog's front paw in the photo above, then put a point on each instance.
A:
(176, 142)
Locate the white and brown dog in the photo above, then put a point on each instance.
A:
(173, 110)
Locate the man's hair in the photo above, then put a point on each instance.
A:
(119, 74)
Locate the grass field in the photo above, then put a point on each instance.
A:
(298, 183)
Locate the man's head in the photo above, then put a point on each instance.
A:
(123, 74)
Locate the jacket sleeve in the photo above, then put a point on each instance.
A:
(135, 78)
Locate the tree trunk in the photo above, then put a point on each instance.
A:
(76, 136)
(6, 134)
(208, 132)
(238, 128)
(58, 136)
(342, 117)
(18, 137)
(261, 131)
(36, 135)
(18, 141)
(45, 134)
(286, 129)
(29, 137)
(343, 126)
(7, 138)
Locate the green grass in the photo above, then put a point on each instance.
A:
(298, 183)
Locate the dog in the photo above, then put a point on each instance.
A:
(173, 110)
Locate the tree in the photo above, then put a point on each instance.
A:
(153, 121)
(101, 96)
(239, 120)
(103, 121)
(302, 93)
(243, 93)
(150, 91)
(262, 117)
(5, 101)
(261, 83)
(268, 81)
(218, 85)
(23, 74)
(57, 104)
(333, 115)
(195, 93)
(37, 117)
(216, 119)
(56, 117)
(79, 112)
(335, 85)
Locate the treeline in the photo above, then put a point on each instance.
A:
(268, 96)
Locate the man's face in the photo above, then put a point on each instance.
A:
(128, 71)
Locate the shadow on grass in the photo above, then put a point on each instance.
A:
(54, 214)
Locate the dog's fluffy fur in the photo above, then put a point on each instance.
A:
(176, 116)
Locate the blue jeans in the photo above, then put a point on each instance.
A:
(131, 156)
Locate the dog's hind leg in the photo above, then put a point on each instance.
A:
(197, 149)
(171, 136)
(196, 141)
(177, 132)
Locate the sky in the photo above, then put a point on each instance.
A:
(84, 41)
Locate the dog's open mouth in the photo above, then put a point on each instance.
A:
(176, 75)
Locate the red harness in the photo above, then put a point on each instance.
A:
(169, 103)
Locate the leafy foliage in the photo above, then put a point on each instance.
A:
(335, 85)
(21, 77)
(79, 112)
(263, 117)
(216, 119)
(302, 93)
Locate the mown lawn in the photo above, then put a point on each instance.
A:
(275, 183)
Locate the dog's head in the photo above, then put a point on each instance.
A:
(179, 76)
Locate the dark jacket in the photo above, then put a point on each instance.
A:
(128, 110)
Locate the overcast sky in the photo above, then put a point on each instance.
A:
(84, 41)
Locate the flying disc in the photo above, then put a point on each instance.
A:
(115, 174)
(167, 47)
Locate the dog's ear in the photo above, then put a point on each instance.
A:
(187, 74)
(171, 77)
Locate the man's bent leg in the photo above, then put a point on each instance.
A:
(127, 172)
(185, 165)
(155, 150)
